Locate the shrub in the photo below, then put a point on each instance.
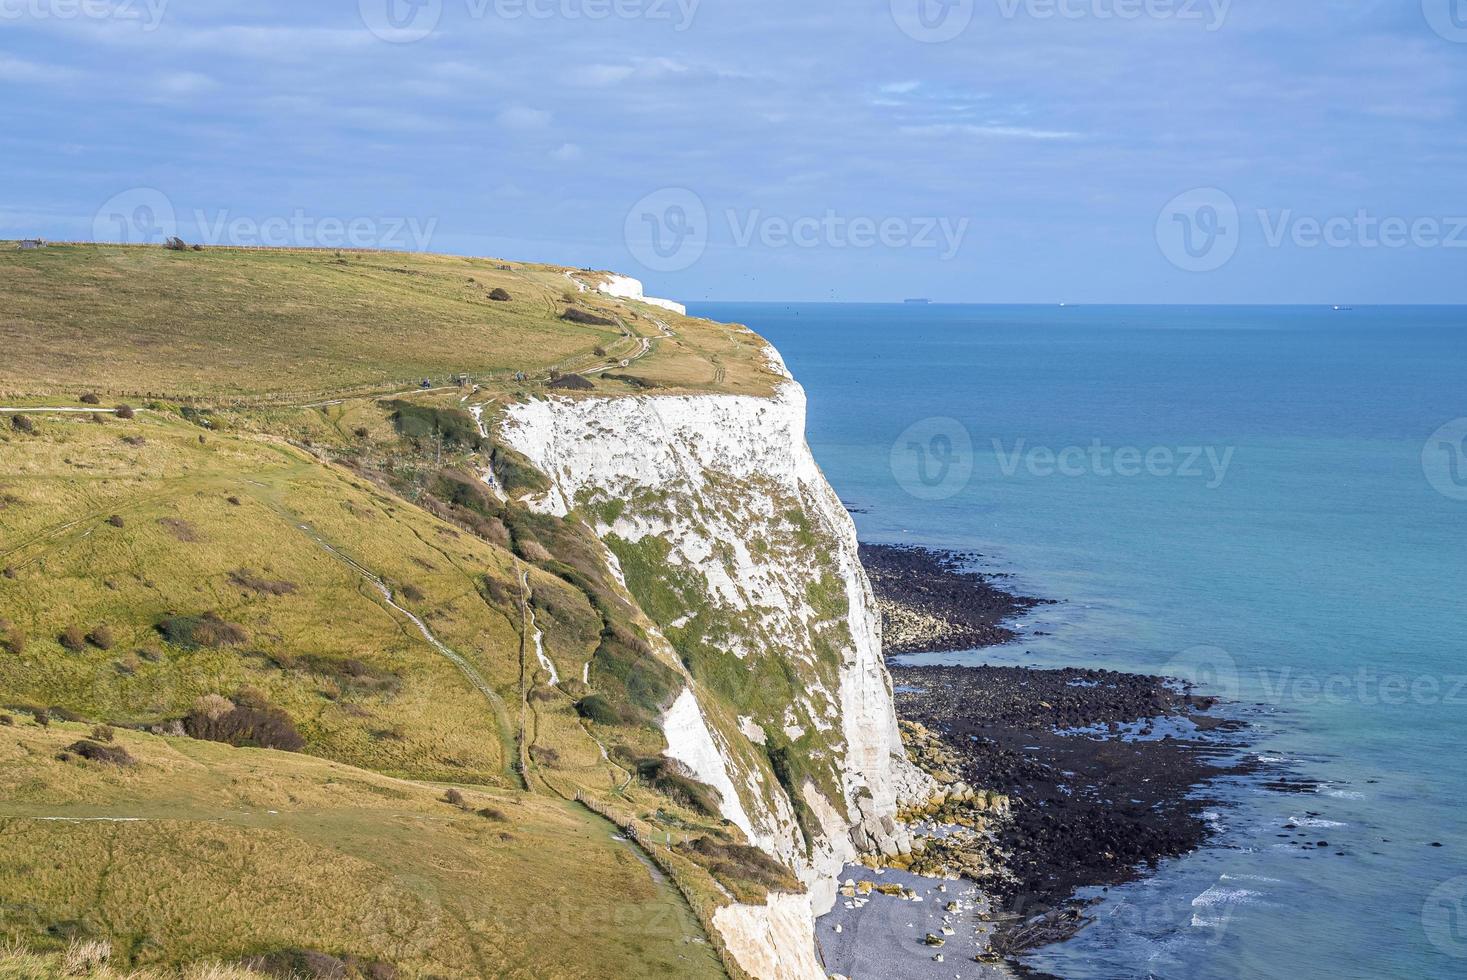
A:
(246, 579)
(500, 295)
(571, 382)
(595, 708)
(232, 501)
(412, 593)
(577, 315)
(12, 637)
(101, 637)
(180, 529)
(91, 398)
(9, 571)
(98, 418)
(208, 630)
(490, 813)
(114, 755)
(135, 440)
(176, 244)
(126, 412)
(73, 639)
(103, 733)
(116, 521)
(675, 782)
(43, 717)
(250, 722)
(739, 862)
(454, 798)
(7, 720)
(361, 432)
(23, 423)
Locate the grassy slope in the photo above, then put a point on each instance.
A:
(203, 513)
(296, 325)
(229, 852)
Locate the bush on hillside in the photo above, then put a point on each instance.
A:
(247, 579)
(101, 637)
(23, 423)
(500, 295)
(250, 722)
(113, 755)
(206, 631)
(577, 315)
(739, 862)
(126, 412)
(12, 637)
(91, 398)
(73, 639)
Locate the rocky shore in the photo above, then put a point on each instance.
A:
(935, 602)
(1089, 777)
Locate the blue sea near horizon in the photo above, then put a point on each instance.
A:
(1313, 568)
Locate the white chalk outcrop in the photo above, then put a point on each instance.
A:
(717, 480)
(625, 287)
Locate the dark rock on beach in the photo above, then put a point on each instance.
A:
(935, 602)
(1105, 773)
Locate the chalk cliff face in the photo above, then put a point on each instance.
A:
(721, 524)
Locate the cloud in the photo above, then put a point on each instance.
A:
(20, 70)
(900, 88)
(523, 117)
(601, 76)
(180, 84)
(568, 153)
(989, 131)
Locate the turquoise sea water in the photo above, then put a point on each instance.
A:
(1260, 499)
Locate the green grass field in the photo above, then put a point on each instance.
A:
(293, 326)
(282, 548)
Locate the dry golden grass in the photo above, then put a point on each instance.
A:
(203, 852)
(294, 326)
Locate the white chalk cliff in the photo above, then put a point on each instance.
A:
(726, 488)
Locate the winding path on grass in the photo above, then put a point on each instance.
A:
(470, 672)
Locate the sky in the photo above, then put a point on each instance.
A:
(1035, 151)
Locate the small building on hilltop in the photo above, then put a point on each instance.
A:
(30, 243)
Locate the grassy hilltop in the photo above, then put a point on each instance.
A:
(255, 324)
(269, 695)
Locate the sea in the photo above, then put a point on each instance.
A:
(1269, 502)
